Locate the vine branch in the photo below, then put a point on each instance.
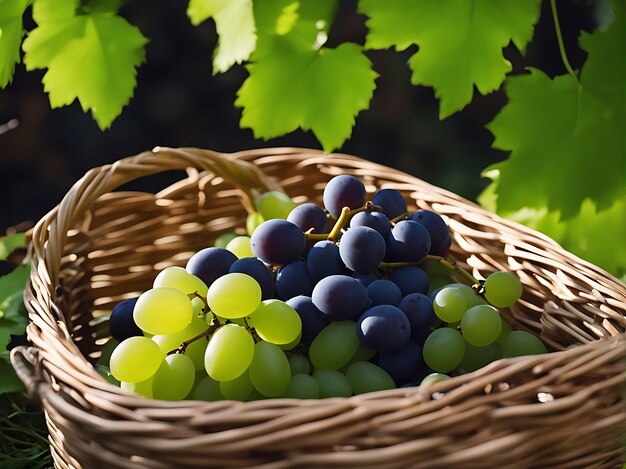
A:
(559, 38)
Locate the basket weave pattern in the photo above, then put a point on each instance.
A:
(564, 409)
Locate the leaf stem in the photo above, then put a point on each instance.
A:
(559, 38)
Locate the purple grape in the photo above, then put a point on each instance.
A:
(313, 320)
(293, 279)
(384, 328)
(375, 220)
(308, 216)
(437, 229)
(408, 241)
(340, 297)
(324, 260)
(443, 249)
(410, 279)
(404, 363)
(362, 248)
(391, 201)
(211, 263)
(365, 279)
(121, 322)
(384, 292)
(419, 310)
(258, 271)
(343, 191)
(277, 242)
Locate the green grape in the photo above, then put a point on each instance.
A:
(481, 325)
(240, 247)
(276, 322)
(148, 335)
(469, 294)
(332, 384)
(269, 370)
(274, 205)
(135, 359)
(434, 378)
(453, 325)
(107, 350)
(194, 350)
(450, 303)
(234, 296)
(302, 386)
(143, 388)
(506, 330)
(362, 354)
(198, 306)
(163, 311)
(253, 220)
(477, 357)
(229, 352)
(334, 346)
(519, 343)
(180, 279)
(291, 345)
(367, 377)
(223, 240)
(299, 364)
(257, 396)
(174, 378)
(503, 289)
(238, 389)
(444, 349)
(205, 388)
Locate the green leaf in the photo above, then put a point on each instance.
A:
(460, 41)
(9, 381)
(320, 90)
(567, 142)
(11, 290)
(92, 58)
(10, 243)
(11, 33)
(234, 22)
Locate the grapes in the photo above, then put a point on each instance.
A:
(143, 388)
(276, 322)
(258, 271)
(481, 325)
(174, 378)
(324, 260)
(362, 248)
(419, 311)
(210, 263)
(121, 322)
(375, 220)
(269, 370)
(503, 289)
(367, 377)
(391, 201)
(293, 279)
(444, 350)
(135, 359)
(240, 247)
(519, 343)
(365, 279)
(450, 304)
(238, 389)
(384, 328)
(434, 378)
(343, 191)
(253, 220)
(404, 363)
(277, 242)
(302, 386)
(234, 295)
(408, 241)
(384, 292)
(410, 279)
(332, 384)
(307, 216)
(229, 352)
(163, 311)
(274, 205)
(299, 364)
(180, 279)
(477, 357)
(206, 389)
(340, 297)
(334, 346)
(506, 330)
(195, 351)
(313, 320)
(437, 229)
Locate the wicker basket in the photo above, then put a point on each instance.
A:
(563, 409)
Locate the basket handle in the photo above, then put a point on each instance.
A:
(49, 236)
(25, 363)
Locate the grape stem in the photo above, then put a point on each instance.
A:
(400, 217)
(183, 346)
(346, 214)
(449, 263)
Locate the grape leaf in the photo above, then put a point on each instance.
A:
(92, 58)
(9, 382)
(11, 32)
(293, 86)
(567, 141)
(12, 287)
(235, 26)
(10, 243)
(460, 41)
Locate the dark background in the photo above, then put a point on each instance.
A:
(178, 102)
